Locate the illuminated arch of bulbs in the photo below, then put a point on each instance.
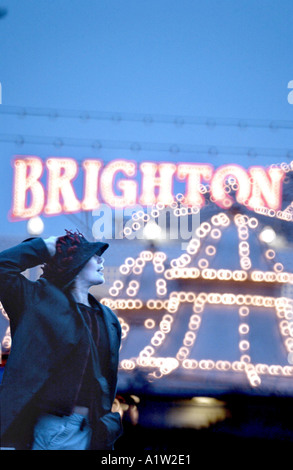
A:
(209, 232)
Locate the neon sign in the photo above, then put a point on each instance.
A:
(234, 291)
(124, 183)
(127, 295)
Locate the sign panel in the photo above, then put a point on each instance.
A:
(49, 187)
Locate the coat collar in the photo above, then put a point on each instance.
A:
(113, 328)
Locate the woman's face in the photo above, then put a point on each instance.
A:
(92, 273)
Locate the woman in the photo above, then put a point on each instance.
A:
(61, 376)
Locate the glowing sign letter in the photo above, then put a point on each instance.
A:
(26, 183)
(90, 200)
(219, 181)
(266, 187)
(164, 182)
(128, 187)
(193, 172)
(61, 171)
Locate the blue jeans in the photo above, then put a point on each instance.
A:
(62, 433)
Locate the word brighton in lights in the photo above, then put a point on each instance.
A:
(125, 183)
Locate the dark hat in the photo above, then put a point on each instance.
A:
(73, 251)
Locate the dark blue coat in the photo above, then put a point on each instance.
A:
(46, 328)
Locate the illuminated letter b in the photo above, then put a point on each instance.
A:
(28, 192)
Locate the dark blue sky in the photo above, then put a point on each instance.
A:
(213, 59)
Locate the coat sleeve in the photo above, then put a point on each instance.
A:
(15, 289)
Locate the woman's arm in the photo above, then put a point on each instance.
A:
(16, 290)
